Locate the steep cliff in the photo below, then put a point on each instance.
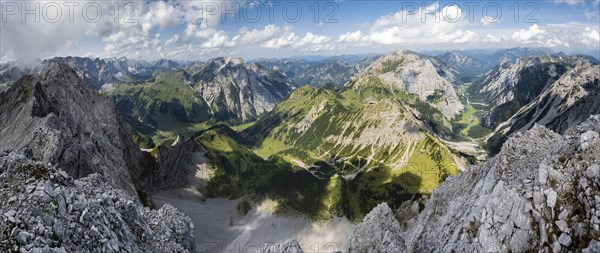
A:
(540, 193)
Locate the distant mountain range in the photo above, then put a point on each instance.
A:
(220, 90)
(334, 71)
(467, 67)
(565, 101)
(95, 72)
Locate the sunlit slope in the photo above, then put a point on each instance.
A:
(240, 172)
(162, 107)
(370, 136)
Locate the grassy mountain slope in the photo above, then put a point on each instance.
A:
(161, 108)
(239, 171)
(186, 100)
(368, 136)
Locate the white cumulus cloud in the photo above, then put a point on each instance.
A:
(558, 35)
(256, 36)
(310, 42)
(425, 26)
(351, 37)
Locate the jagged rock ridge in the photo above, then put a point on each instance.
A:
(565, 103)
(540, 193)
(56, 118)
(510, 86)
(234, 89)
(42, 209)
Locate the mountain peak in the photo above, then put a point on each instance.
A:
(61, 71)
(414, 73)
(228, 61)
(56, 118)
(404, 51)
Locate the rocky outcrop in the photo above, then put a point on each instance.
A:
(42, 209)
(56, 118)
(540, 193)
(427, 77)
(379, 232)
(174, 165)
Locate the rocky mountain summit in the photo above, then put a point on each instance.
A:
(73, 180)
(540, 193)
(236, 90)
(56, 118)
(42, 209)
(427, 77)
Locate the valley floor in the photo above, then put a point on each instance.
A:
(220, 227)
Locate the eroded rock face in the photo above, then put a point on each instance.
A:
(379, 232)
(540, 193)
(56, 118)
(403, 70)
(236, 90)
(563, 104)
(174, 165)
(42, 209)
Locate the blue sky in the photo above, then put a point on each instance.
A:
(195, 30)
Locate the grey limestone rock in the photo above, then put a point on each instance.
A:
(540, 193)
(101, 218)
(379, 232)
